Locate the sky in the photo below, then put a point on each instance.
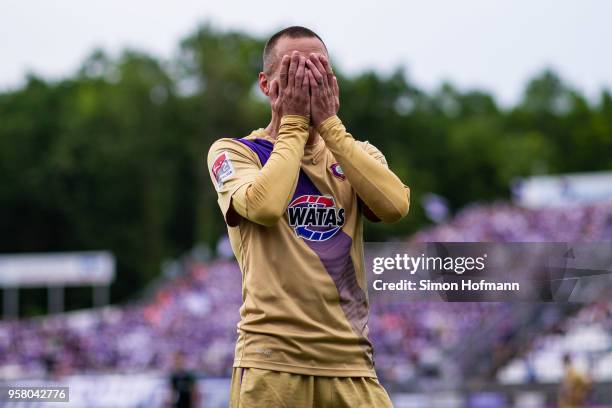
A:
(485, 44)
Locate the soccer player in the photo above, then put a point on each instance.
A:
(575, 386)
(293, 195)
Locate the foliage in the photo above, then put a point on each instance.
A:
(113, 157)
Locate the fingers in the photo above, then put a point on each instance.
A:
(328, 68)
(336, 87)
(284, 71)
(314, 86)
(336, 93)
(299, 74)
(293, 66)
(317, 66)
(315, 72)
(306, 81)
(274, 90)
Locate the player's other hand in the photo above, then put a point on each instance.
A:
(290, 94)
(324, 90)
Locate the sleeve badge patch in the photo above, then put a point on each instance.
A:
(336, 170)
(222, 168)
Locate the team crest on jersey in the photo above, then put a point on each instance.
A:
(337, 171)
(222, 168)
(315, 217)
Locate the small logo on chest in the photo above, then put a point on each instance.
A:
(337, 171)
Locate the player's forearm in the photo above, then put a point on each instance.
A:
(379, 188)
(264, 200)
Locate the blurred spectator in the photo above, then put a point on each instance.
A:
(184, 390)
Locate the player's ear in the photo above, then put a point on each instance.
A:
(264, 84)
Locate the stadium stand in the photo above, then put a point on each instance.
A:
(419, 346)
(587, 335)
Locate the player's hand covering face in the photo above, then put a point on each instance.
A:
(324, 90)
(289, 94)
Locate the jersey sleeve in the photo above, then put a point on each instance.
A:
(231, 165)
(375, 184)
(374, 152)
(380, 157)
(258, 193)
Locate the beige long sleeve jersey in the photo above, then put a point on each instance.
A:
(294, 215)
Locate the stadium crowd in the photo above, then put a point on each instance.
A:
(585, 335)
(197, 313)
(503, 222)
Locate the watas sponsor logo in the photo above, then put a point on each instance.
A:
(315, 217)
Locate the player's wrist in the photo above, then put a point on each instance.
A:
(295, 119)
(328, 124)
(317, 119)
(294, 125)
